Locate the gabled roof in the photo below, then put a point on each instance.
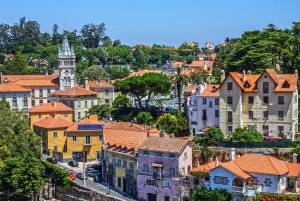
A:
(294, 169)
(53, 122)
(13, 88)
(33, 83)
(235, 169)
(74, 91)
(86, 121)
(174, 145)
(209, 92)
(206, 167)
(50, 107)
(96, 83)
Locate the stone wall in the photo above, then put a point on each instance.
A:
(79, 193)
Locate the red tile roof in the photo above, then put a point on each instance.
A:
(51, 122)
(33, 83)
(50, 107)
(12, 88)
(142, 72)
(235, 169)
(86, 121)
(206, 167)
(294, 169)
(29, 77)
(164, 144)
(74, 91)
(209, 91)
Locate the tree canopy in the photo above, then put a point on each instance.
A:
(121, 101)
(201, 193)
(144, 118)
(176, 124)
(213, 137)
(103, 111)
(95, 73)
(245, 135)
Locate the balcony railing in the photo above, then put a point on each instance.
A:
(157, 175)
(237, 189)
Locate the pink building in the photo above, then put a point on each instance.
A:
(163, 165)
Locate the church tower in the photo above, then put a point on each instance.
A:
(66, 65)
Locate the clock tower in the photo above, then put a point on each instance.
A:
(66, 65)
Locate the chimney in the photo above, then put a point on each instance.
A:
(148, 133)
(294, 158)
(54, 104)
(222, 75)
(162, 133)
(54, 115)
(86, 83)
(108, 124)
(198, 164)
(131, 123)
(217, 162)
(0, 77)
(232, 154)
(144, 126)
(172, 136)
(100, 82)
(249, 72)
(244, 76)
(210, 159)
(296, 71)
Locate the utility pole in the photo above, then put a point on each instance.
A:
(84, 182)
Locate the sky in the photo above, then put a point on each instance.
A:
(168, 22)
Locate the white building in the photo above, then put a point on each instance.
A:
(203, 107)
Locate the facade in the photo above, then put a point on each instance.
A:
(44, 110)
(163, 163)
(18, 97)
(267, 102)
(203, 107)
(248, 174)
(77, 98)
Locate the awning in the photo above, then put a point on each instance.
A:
(156, 165)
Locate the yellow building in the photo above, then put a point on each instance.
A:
(266, 102)
(44, 110)
(122, 140)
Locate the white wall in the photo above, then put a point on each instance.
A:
(19, 95)
(221, 172)
(274, 179)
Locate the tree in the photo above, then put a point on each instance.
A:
(213, 137)
(95, 73)
(120, 101)
(244, 135)
(176, 124)
(18, 64)
(144, 118)
(201, 193)
(106, 41)
(103, 111)
(199, 76)
(296, 150)
(140, 58)
(92, 34)
(117, 43)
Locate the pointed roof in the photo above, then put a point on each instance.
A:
(53, 122)
(65, 47)
(73, 91)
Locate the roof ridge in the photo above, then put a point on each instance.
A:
(273, 164)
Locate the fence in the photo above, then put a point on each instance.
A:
(279, 144)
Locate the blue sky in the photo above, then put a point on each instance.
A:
(166, 22)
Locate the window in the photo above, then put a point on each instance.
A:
(280, 99)
(79, 115)
(85, 104)
(125, 164)
(265, 87)
(265, 129)
(250, 127)
(268, 182)
(167, 198)
(265, 114)
(217, 101)
(183, 170)
(131, 166)
(229, 116)
(145, 153)
(185, 155)
(55, 134)
(250, 113)
(49, 91)
(204, 117)
(32, 93)
(229, 100)
(106, 91)
(32, 103)
(55, 148)
(210, 103)
(166, 184)
(85, 113)
(172, 171)
(229, 85)
(191, 114)
(280, 114)
(119, 181)
(65, 115)
(106, 101)
(204, 101)
(193, 123)
(40, 116)
(145, 168)
(107, 160)
(280, 129)
(114, 163)
(119, 163)
(14, 102)
(74, 138)
(87, 139)
(41, 92)
(229, 129)
(266, 100)
(172, 155)
(41, 101)
(25, 102)
(100, 137)
(158, 154)
(220, 180)
(250, 99)
(79, 104)
(150, 182)
(217, 113)
(92, 102)
(65, 133)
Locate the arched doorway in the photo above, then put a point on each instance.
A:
(237, 182)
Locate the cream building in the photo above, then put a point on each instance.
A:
(266, 102)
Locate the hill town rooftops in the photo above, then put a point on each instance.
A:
(50, 107)
(73, 91)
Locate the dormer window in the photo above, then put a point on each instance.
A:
(214, 89)
(286, 85)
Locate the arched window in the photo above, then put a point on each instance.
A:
(25, 102)
(14, 102)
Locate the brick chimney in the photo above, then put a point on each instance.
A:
(162, 133)
(54, 104)
(294, 158)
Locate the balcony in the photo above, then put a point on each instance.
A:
(250, 191)
(88, 143)
(204, 118)
(229, 120)
(157, 175)
(237, 189)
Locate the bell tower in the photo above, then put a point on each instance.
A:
(66, 65)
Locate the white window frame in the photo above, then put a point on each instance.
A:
(166, 185)
(74, 138)
(65, 133)
(55, 134)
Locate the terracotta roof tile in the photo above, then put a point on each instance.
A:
(74, 91)
(33, 83)
(206, 167)
(85, 121)
(50, 122)
(209, 91)
(50, 107)
(294, 169)
(29, 77)
(191, 88)
(142, 72)
(12, 88)
(235, 169)
(96, 83)
(164, 144)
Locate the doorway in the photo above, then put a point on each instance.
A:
(124, 185)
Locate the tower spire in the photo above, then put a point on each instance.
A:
(65, 50)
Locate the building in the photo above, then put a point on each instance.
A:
(266, 102)
(191, 43)
(203, 107)
(77, 98)
(197, 65)
(44, 110)
(209, 46)
(248, 174)
(163, 163)
(121, 147)
(18, 97)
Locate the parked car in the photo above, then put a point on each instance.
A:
(80, 175)
(71, 176)
(90, 173)
(52, 160)
(89, 169)
(97, 167)
(73, 163)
